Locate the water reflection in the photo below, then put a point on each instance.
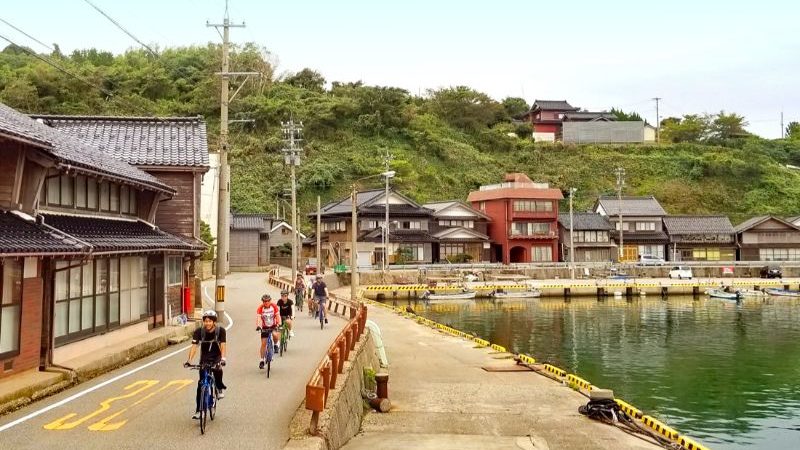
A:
(725, 373)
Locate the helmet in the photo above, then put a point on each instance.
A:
(319, 277)
(210, 314)
(284, 292)
(266, 297)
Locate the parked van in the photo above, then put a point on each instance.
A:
(650, 260)
(681, 273)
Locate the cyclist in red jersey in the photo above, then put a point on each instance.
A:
(268, 319)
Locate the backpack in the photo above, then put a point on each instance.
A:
(210, 343)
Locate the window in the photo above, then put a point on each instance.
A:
(333, 226)
(410, 225)
(446, 250)
(53, 190)
(482, 206)
(409, 252)
(124, 200)
(114, 197)
(457, 223)
(10, 306)
(779, 254)
(652, 250)
(132, 207)
(66, 190)
(533, 206)
(645, 226)
(529, 228)
(625, 225)
(105, 196)
(174, 270)
(541, 253)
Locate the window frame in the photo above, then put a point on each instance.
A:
(19, 303)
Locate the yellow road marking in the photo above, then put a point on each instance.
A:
(105, 405)
(104, 425)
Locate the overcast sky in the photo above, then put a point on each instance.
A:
(699, 56)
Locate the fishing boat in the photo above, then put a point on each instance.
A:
(719, 293)
(750, 293)
(782, 292)
(527, 293)
(463, 295)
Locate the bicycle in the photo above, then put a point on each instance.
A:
(322, 313)
(270, 351)
(208, 393)
(284, 337)
(312, 307)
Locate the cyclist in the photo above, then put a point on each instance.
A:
(211, 339)
(299, 291)
(320, 294)
(285, 308)
(268, 319)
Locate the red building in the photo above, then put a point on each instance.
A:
(524, 225)
(546, 117)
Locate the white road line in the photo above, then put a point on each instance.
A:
(105, 383)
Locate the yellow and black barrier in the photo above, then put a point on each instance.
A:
(629, 409)
(660, 428)
(689, 444)
(561, 373)
(574, 380)
(499, 348)
(526, 359)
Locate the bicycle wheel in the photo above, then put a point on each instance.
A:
(203, 410)
(212, 401)
(270, 352)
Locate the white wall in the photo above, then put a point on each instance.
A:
(209, 193)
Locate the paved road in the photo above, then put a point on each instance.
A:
(151, 408)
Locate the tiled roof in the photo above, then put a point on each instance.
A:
(558, 105)
(698, 225)
(345, 205)
(112, 235)
(585, 221)
(19, 236)
(245, 222)
(438, 207)
(72, 152)
(395, 211)
(399, 236)
(142, 141)
(754, 221)
(793, 219)
(586, 115)
(446, 233)
(655, 237)
(632, 206)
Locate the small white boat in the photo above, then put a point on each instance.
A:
(463, 295)
(718, 293)
(527, 293)
(750, 293)
(782, 292)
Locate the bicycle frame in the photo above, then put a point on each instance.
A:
(208, 393)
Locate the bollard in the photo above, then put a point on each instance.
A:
(381, 404)
(695, 291)
(628, 292)
(756, 288)
(382, 379)
(601, 292)
(664, 292)
(567, 292)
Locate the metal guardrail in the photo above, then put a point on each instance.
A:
(325, 375)
(595, 265)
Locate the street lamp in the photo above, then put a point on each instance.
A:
(354, 231)
(571, 236)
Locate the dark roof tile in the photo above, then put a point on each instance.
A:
(585, 221)
(697, 224)
(632, 206)
(20, 236)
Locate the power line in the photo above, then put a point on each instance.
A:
(121, 27)
(83, 80)
(27, 35)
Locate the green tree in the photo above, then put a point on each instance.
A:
(20, 94)
(690, 128)
(622, 116)
(728, 126)
(793, 131)
(465, 108)
(208, 238)
(307, 79)
(515, 107)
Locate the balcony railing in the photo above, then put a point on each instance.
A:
(525, 235)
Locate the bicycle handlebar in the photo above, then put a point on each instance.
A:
(204, 366)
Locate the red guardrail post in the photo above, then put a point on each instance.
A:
(347, 339)
(326, 379)
(340, 343)
(334, 355)
(353, 335)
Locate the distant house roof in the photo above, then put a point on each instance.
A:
(631, 206)
(367, 203)
(758, 220)
(398, 235)
(642, 237)
(556, 105)
(115, 235)
(284, 224)
(516, 193)
(588, 116)
(440, 207)
(793, 219)
(72, 153)
(142, 141)
(251, 222)
(697, 225)
(460, 234)
(585, 221)
(20, 236)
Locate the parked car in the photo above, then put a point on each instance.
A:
(771, 272)
(681, 273)
(311, 266)
(650, 260)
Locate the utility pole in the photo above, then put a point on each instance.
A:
(658, 121)
(387, 159)
(620, 184)
(319, 237)
(224, 200)
(291, 156)
(571, 235)
(783, 130)
(353, 252)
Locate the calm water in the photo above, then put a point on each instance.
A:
(726, 374)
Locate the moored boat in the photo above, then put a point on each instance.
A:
(719, 293)
(527, 293)
(750, 293)
(782, 292)
(463, 295)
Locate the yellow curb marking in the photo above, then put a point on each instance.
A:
(105, 405)
(104, 425)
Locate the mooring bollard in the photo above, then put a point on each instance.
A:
(382, 379)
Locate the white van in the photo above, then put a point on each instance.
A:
(650, 260)
(681, 273)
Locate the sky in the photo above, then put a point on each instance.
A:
(698, 56)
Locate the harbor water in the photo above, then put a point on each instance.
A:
(725, 373)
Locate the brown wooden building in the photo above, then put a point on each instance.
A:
(700, 238)
(459, 230)
(83, 265)
(768, 238)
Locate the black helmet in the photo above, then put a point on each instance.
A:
(266, 297)
(284, 292)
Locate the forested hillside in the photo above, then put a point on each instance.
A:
(444, 144)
